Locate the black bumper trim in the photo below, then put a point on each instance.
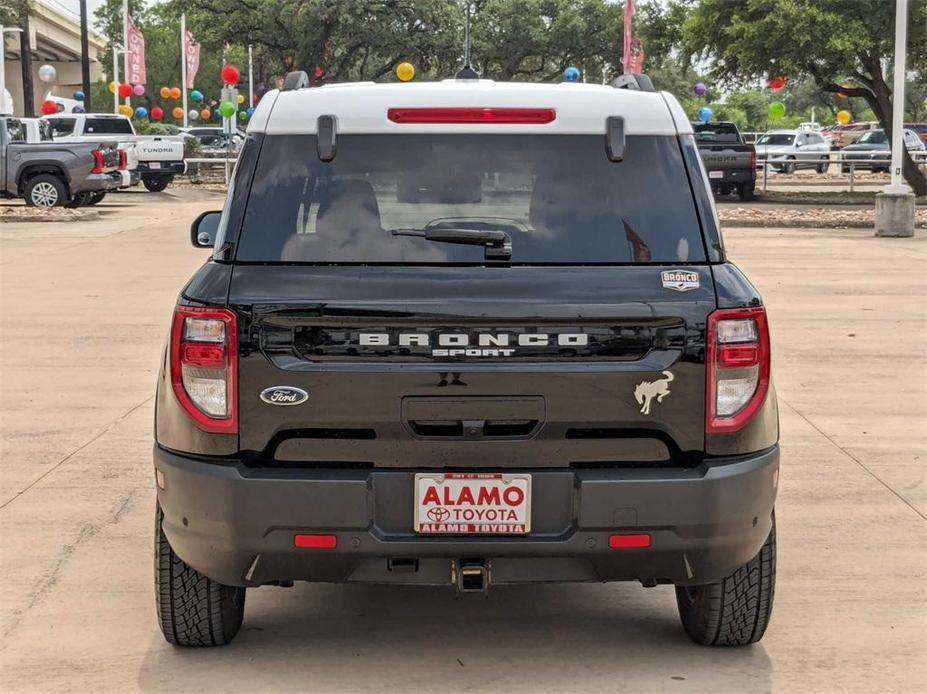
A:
(227, 521)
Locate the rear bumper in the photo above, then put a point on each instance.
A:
(94, 183)
(731, 177)
(236, 524)
(165, 168)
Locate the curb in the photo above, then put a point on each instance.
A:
(43, 217)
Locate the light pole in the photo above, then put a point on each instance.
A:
(4, 108)
(116, 51)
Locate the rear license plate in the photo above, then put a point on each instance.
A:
(715, 174)
(154, 165)
(471, 503)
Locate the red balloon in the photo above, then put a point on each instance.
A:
(157, 113)
(230, 74)
(49, 107)
(776, 83)
(125, 90)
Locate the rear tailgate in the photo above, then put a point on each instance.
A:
(160, 149)
(725, 157)
(471, 367)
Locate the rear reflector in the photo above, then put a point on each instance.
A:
(315, 541)
(515, 116)
(635, 541)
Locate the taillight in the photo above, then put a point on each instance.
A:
(519, 116)
(123, 160)
(753, 159)
(204, 366)
(738, 361)
(98, 161)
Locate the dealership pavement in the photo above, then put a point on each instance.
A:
(84, 308)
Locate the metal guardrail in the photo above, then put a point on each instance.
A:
(227, 163)
(881, 159)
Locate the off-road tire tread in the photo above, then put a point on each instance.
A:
(193, 610)
(734, 611)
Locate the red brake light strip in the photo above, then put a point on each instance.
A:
(514, 116)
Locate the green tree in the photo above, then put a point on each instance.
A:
(826, 40)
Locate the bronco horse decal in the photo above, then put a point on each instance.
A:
(646, 391)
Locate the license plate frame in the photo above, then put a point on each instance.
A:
(476, 518)
(715, 174)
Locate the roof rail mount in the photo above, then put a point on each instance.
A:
(295, 80)
(632, 81)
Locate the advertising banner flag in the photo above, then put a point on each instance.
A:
(627, 58)
(191, 54)
(136, 53)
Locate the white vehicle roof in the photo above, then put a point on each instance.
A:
(361, 107)
(780, 132)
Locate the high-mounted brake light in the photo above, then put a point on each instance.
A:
(98, 161)
(514, 116)
(204, 366)
(738, 364)
(123, 160)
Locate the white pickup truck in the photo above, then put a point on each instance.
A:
(159, 157)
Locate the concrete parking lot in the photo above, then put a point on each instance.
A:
(84, 308)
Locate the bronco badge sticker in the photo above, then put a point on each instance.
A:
(646, 391)
(680, 280)
(284, 395)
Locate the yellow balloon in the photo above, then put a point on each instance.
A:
(126, 110)
(844, 117)
(113, 86)
(241, 98)
(405, 71)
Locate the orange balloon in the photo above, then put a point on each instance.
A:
(177, 113)
(205, 114)
(175, 92)
(165, 92)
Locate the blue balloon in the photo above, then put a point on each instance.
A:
(571, 74)
(216, 114)
(250, 111)
(196, 95)
(78, 109)
(78, 95)
(141, 112)
(705, 114)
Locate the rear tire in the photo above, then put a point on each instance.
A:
(79, 200)
(746, 191)
(193, 610)
(789, 166)
(46, 190)
(155, 184)
(96, 198)
(823, 166)
(734, 611)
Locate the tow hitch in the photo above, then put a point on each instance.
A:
(472, 576)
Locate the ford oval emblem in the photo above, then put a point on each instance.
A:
(284, 395)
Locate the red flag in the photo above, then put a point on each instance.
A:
(637, 56)
(627, 59)
(191, 53)
(136, 52)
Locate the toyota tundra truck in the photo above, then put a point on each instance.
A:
(729, 160)
(561, 379)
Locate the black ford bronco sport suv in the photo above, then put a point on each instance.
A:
(466, 333)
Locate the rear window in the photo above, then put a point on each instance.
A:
(558, 197)
(873, 137)
(716, 132)
(108, 126)
(776, 140)
(62, 127)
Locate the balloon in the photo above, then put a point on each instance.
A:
(141, 112)
(405, 72)
(78, 95)
(78, 109)
(227, 109)
(705, 113)
(138, 89)
(776, 83)
(230, 74)
(176, 93)
(250, 111)
(260, 89)
(157, 113)
(177, 113)
(217, 114)
(242, 116)
(47, 73)
(126, 111)
(113, 86)
(776, 110)
(125, 90)
(241, 98)
(193, 114)
(165, 92)
(844, 117)
(571, 74)
(196, 95)
(48, 107)
(699, 88)
(205, 114)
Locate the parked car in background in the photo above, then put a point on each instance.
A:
(789, 150)
(160, 157)
(873, 152)
(54, 174)
(729, 161)
(814, 127)
(920, 129)
(214, 140)
(844, 135)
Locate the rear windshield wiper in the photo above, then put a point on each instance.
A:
(498, 243)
